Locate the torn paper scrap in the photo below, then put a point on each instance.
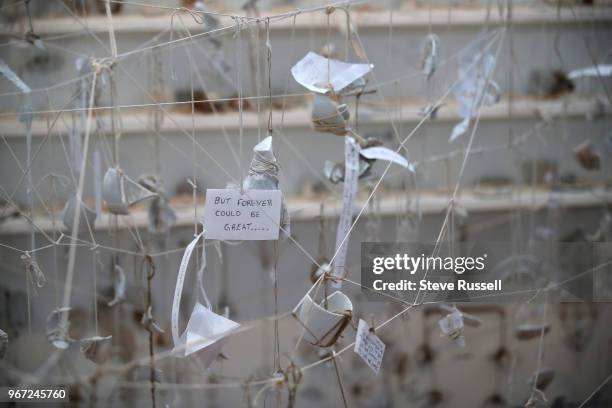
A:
(369, 346)
(321, 75)
(459, 129)
(88, 216)
(206, 331)
(383, 153)
(120, 192)
(452, 326)
(594, 71)
(324, 322)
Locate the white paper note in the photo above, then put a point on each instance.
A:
(317, 73)
(369, 347)
(383, 153)
(349, 193)
(252, 216)
(603, 70)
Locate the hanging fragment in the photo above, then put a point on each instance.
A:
(587, 157)
(160, 215)
(324, 322)
(542, 378)
(96, 349)
(349, 194)
(3, 343)
(120, 192)
(594, 71)
(35, 275)
(329, 116)
(118, 286)
(468, 319)
(452, 326)
(430, 110)
(321, 75)
(530, 331)
(206, 331)
(475, 87)
(430, 54)
(56, 334)
(383, 153)
(368, 346)
(88, 216)
(148, 321)
(263, 175)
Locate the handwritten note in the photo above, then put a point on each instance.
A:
(252, 216)
(369, 347)
(318, 74)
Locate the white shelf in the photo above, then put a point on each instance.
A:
(391, 203)
(134, 121)
(402, 18)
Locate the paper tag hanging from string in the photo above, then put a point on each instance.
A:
(251, 216)
(349, 194)
(369, 347)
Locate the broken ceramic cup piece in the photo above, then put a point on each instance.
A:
(148, 321)
(121, 192)
(587, 157)
(118, 286)
(322, 75)
(324, 322)
(334, 172)
(160, 215)
(324, 267)
(430, 110)
(96, 349)
(263, 175)
(468, 319)
(530, 331)
(383, 153)
(542, 378)
(56, 334)
(430, 54)
(329, 116)
(33, 272)
(88, 217)
(452, 327)
(3, 343)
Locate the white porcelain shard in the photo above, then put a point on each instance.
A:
(322, 75)
(119, 192)
(329, 116)
(324, 322)
(594, 71)
(206, 331)
(452, 327)
(430, 54)
(530, 331)
(542, 378)
(468, 319)
(118, 286)
(88, 216)
(383, 153)
(56, 334)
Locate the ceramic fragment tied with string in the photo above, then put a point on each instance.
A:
(120, 192)
(160, 215)
(97, 348)
(586, 156)
(35, 275)
(531, 331)
(88, 216)
(263, 175)
(452, 327)
(118, 286)
(206, 331)
(324, 322)
(430, 55)
(56, 333)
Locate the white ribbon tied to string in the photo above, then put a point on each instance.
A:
(206, 331)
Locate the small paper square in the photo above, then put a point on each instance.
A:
(369, 347)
